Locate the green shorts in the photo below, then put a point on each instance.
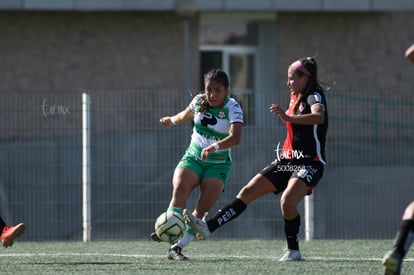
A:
(220, 171)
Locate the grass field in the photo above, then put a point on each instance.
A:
(205, 257)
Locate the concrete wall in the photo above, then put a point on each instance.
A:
(363, 53)
(46, 52)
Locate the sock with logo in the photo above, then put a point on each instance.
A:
(226, 214)
(292, 233)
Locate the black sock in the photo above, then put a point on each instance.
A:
(2, 225)
(405, 236)
(292, 233)
(226, 214)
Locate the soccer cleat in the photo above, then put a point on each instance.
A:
(174, 253)
(290, 256)
(154, 237)
(9, 233)
(392, 262)
(199, 225)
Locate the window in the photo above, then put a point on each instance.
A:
(232, 48)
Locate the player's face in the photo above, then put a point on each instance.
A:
(216, 93)
(295, 82)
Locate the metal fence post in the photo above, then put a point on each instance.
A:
(86, 168)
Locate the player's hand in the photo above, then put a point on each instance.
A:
(167, 122)
(207, 151)
(276, 109)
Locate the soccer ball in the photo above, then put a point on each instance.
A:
(170, 226)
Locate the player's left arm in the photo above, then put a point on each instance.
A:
(235, 128)
(316, 116)
(235, 132)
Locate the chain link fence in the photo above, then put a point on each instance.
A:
(366, 185)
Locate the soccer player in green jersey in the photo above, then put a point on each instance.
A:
(206, 164)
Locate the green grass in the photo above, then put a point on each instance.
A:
(205, 257)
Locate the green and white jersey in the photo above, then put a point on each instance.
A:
(212, 126)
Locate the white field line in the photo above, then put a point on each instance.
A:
(314, 258)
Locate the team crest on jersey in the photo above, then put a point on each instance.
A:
(221, 114)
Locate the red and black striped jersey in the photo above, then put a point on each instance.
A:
(306, 141)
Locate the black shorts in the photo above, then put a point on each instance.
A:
(279, 172)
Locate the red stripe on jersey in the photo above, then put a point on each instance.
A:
(288, 144)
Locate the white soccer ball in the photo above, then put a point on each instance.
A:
(170, 226)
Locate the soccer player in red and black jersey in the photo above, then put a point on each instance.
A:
(405, 236)
(299, 163)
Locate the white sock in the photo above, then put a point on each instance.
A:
(186, 239)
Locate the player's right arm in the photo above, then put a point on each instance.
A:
(183, 116)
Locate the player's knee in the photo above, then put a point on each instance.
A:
(288, 207)
(246, 195)
(409, 212)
